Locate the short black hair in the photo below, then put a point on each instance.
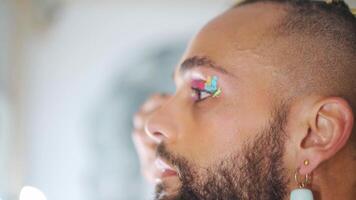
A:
(333, 17)
(328, 5)
(326, 32)
(322, 47)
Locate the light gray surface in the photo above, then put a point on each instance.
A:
(82, 75)
(4, 104)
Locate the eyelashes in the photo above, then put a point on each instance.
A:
(200, 95)
(204, 89)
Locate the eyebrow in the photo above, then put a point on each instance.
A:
(200, 61)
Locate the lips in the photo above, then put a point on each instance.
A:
(165, 169)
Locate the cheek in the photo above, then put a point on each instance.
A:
(215, 134)
(208, 138)
(222, 130)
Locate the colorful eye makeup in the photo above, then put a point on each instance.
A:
(206, 88)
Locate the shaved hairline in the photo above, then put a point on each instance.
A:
(312, 58)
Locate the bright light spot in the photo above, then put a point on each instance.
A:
(31, 193)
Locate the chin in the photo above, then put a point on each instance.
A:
(166, 191)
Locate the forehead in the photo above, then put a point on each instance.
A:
(237, 38)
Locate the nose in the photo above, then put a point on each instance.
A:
(160, 126)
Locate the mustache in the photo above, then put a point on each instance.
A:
(179, 162)
(163, 153)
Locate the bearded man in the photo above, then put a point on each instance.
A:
(264, 104)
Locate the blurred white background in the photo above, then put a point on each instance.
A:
(72, 72)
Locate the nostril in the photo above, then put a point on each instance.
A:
(157, 136)
(158, 128)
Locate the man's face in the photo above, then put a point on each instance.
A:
(230, 146)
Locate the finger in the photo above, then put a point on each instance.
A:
(154, 102)
(150, 172)
(147, 109)
(139, 120)
(144, 140)
(147, 162)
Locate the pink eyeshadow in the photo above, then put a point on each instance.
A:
(199, 84)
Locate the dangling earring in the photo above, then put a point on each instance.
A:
(302, 193)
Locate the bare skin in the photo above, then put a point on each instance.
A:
(318, 129)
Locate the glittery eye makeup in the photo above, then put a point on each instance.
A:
(205, 88)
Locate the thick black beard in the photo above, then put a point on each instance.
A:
(255, 173)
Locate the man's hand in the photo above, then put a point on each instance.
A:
(146, 146)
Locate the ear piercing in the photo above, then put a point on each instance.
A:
(302, 193)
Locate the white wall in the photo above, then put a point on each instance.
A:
(8, 178)
(71, 65)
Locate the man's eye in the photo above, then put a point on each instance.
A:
(200, 95)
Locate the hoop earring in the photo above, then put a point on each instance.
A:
(302, 193)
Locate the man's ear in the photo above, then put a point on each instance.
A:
(330, 126)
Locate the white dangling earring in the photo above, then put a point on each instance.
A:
(302, 193)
